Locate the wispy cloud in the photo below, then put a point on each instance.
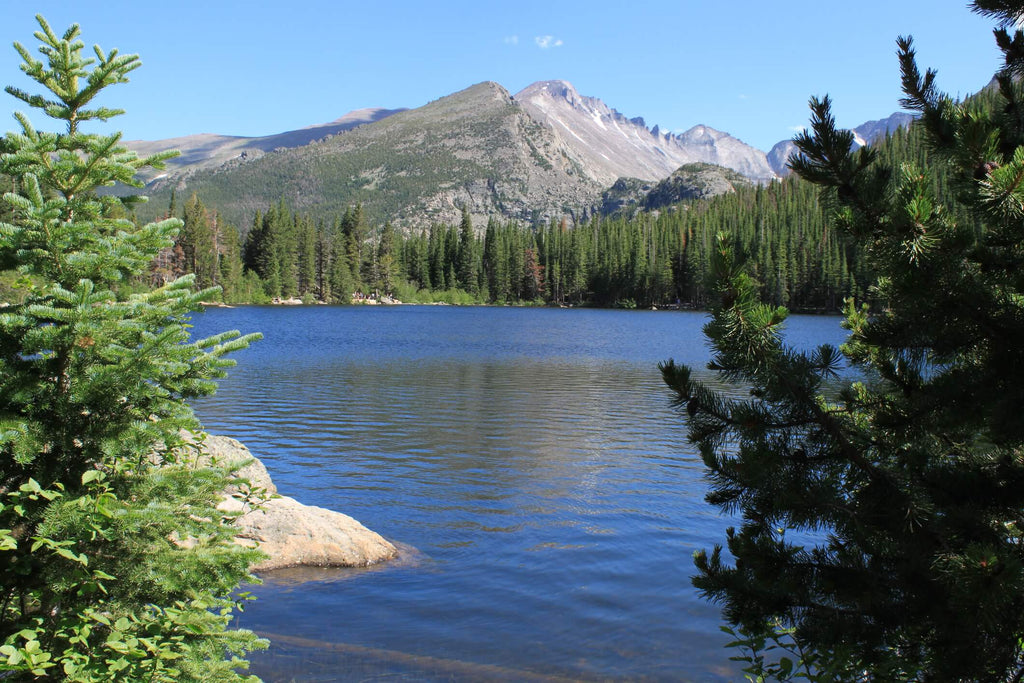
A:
(744, 97)
(511, 40)
(798, 129)
(547, 42)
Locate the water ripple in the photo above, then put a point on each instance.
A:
(530, 455)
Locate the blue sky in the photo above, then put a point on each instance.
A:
(745, 67)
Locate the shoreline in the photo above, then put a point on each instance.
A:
(584, 307)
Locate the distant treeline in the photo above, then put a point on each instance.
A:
(652, 259)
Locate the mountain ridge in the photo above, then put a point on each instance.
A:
(208, 150)
(547, 152)
(474, 148)
(616, 146)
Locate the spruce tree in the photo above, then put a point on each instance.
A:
(883, 519)
(114, 562)
(387, 267)
(354, 228)
(199, 241)
(307, 257)
(466, 254)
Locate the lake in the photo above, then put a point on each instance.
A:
(527, 459)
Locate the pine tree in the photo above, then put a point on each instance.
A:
(231, 267)
(883, 519)
(466, 255)
(354, 229)
(305, 255)
(532, 274)
(95, 485)
(340, 273)
(387, 266)
(435, 257)
(199, 241)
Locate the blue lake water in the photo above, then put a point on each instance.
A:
(528, 459)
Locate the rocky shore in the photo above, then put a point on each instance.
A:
(290, 533)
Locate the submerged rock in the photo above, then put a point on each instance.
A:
(290, 533)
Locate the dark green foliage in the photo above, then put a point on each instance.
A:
(199, 244)
(306, 268)
(467, 255)
(96, 484)
(386, 262)
(883, 520)
(646, 260)
(270, 251)
(353, 228)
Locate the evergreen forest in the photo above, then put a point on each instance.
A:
(657, 258)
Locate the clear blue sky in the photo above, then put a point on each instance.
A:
(746, 67)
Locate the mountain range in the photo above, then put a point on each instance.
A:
(545, 153)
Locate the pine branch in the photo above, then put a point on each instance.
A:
(1006, 12)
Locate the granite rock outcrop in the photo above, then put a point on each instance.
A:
(290, 533)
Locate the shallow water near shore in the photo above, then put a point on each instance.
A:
(531, 459)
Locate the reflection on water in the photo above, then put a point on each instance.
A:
(531, 459)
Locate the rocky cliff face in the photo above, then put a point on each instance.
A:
(628, 196)
(614, 146)
(625, 197)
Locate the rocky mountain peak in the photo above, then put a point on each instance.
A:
(486, 93)
(490, 89)
(615, 146)
(563, 90)
(545, 153)
(701, 135)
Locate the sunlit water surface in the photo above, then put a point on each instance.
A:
(527, 460)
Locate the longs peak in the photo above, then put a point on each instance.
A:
(615, 145)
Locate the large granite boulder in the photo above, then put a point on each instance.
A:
(290, 533)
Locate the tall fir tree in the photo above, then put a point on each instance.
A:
(340, 273)
(306, 252)
(94, 484)
(353, 226)
(883, 519)
(232, 274)
(466, 258)
(388, 266)
(200, 243)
